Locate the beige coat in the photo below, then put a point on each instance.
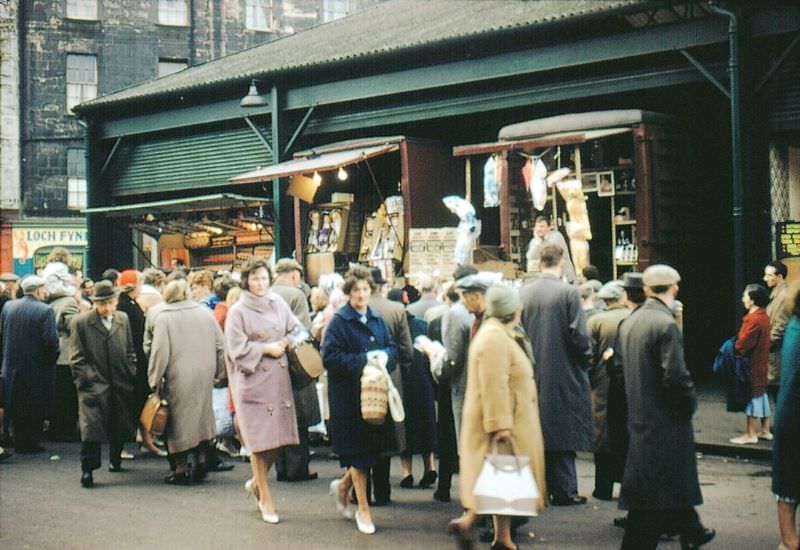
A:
(501, 395)
(188, 353)
(778, 311)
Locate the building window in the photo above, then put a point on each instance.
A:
(81, 79)
(172, 12)
(76, 179)
(169, 66)
(336, 9)
(82, 9)
(258, 15)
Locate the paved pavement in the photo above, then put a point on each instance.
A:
(713, 427)
(42, 506)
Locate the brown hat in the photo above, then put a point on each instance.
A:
(103, 290)
(287, 265)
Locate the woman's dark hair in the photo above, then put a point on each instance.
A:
(356, 274)
(250, 267)
(223, 285)
(758, 294)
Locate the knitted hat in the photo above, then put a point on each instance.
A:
(501, 301)
(128, 280)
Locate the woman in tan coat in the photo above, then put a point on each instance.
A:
(186, 357)
(500, 404)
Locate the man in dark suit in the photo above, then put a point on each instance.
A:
(394, 315)
(556, 326)
(29, 343)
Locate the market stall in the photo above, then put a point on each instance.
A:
(214, 231)
(365, 201)
(612, 182)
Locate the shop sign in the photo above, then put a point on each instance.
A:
(787, 239)
(32, 244)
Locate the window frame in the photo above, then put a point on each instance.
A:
(79, 17)
(83, 85)
(163, 11)
(269, 15)
(77, 195)
(169, 61)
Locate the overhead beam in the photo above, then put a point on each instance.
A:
(508, 99)
(260, 135)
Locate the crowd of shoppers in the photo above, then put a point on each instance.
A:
(562, 365)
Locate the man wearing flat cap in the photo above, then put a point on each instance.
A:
(103, 364)
(660, 486)
(292, 462)
(29, 344)
(556, 326)
(608, 460)
(11, 283)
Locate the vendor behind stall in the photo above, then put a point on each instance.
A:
(542, 235)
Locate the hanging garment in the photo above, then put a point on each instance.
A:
(491, 182)
(527, 174)
(538, 186)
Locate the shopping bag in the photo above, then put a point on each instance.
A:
(505, 486)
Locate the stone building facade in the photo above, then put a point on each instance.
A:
(59, 53)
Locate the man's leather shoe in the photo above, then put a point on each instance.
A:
(568, 501)
(219, 467)
(696, 538)
(441, 495)
(175, 478)
(115, 468)
(199, 472)
(87, 480)
(602, 495)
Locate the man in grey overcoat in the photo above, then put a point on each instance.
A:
(556, 326)
(292, 462)
(103, 364)
(29, 347)
(660, 485)
(394, 315)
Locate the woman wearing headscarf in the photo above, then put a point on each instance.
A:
(257, 330)
(500, 406)
(186, 356)
(354, 334)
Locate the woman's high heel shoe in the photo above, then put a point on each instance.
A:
(269, 517)
(342, 507)
(462, 532)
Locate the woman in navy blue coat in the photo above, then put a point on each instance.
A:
(355, 331)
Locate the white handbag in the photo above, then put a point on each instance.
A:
(505, 486)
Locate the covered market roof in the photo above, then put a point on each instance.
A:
(384, 28)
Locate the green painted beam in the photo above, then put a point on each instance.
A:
(178, 118)
(508, 99)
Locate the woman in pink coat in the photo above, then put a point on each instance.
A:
(256, 331)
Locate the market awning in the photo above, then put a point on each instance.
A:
(529, 144)
(217, 201)
(317, 163)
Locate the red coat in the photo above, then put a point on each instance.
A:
(753, 342)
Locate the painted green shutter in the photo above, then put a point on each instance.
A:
(205, 158)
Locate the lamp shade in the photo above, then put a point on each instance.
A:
(253, 98)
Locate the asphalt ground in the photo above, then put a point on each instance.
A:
(43, 506)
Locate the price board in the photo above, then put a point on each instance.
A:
(787, 239)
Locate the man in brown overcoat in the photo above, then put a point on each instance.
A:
(103, 364)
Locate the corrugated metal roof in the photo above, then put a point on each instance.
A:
(384, 28)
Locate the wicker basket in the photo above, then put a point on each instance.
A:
(374, 395)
